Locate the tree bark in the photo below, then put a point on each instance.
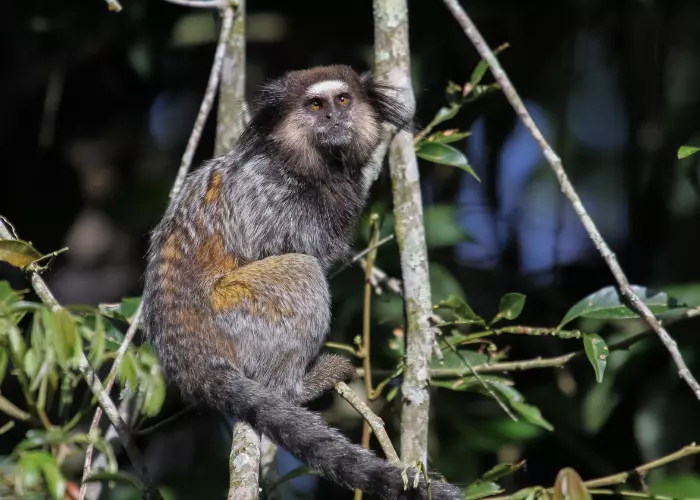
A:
(393, 64)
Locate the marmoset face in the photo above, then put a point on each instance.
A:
(326, 114)
(329, 106)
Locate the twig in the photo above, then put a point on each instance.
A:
(165, 422)
(207, 102)
(360, 255)
(203, 4)
(567, 188)
(622, 477)
(366, 329)
(376, 423)
(392, 61)
(644, 469)
(94, 382)
(114, 5)
(557, 361)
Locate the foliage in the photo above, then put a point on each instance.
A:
(39, 351)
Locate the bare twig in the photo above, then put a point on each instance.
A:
(376, 423)
(207, 102)
(114, 5)
(366, 330)
(95, 385)
(203, 4)
(392, 61)
(567, 188)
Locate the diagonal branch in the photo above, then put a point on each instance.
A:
(567, 188)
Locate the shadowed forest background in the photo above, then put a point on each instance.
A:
(96, 109)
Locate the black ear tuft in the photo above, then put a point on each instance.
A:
(387, 100)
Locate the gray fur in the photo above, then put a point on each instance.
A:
(236, 299)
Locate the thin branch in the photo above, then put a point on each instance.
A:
(558, 361)
(114, 5)
(567, 188)
(201, 4)
(360, 255)
(207, 102)
(366, 328)
(94, 382)
(622, 477)
(244, 463)
(376, 423)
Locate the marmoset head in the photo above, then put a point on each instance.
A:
(326, 116)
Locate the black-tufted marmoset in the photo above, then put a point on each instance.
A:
(236, 299)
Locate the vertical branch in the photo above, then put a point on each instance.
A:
(366, 317)
(244, 464)
(392, 62)
(232, 113)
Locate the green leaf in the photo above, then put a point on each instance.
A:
(467, 383)
(4, 359)
(461, 312)
(152, 383)
(606, 304)
(32, 362)
(686, 151)
(456, 360)
(19, 347)
(444, 114)
(33, 463)
(66, 339)
(502, 470)
(510, 307)
(445, 155)
(676, 486)
(128, 370)
(447, 136)
(481, 489)
(294, 473)
(569, 486)
(442, 227)
(18, 253)
(123, 311)
(597, 352)
(117, 477)
(97, 342)
(516, 400)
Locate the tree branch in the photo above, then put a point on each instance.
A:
(392, 62)
(376, 423)
(203, 4)
(114, 5)
(567, 188)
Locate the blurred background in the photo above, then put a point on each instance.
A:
(97, 108)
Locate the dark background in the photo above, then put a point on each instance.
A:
(97, 108)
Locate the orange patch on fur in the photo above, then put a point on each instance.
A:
(169, 255)
(214, 190)
(257, 285)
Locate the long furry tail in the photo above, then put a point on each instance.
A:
(305, 434)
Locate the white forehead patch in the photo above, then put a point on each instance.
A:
(326, 87)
